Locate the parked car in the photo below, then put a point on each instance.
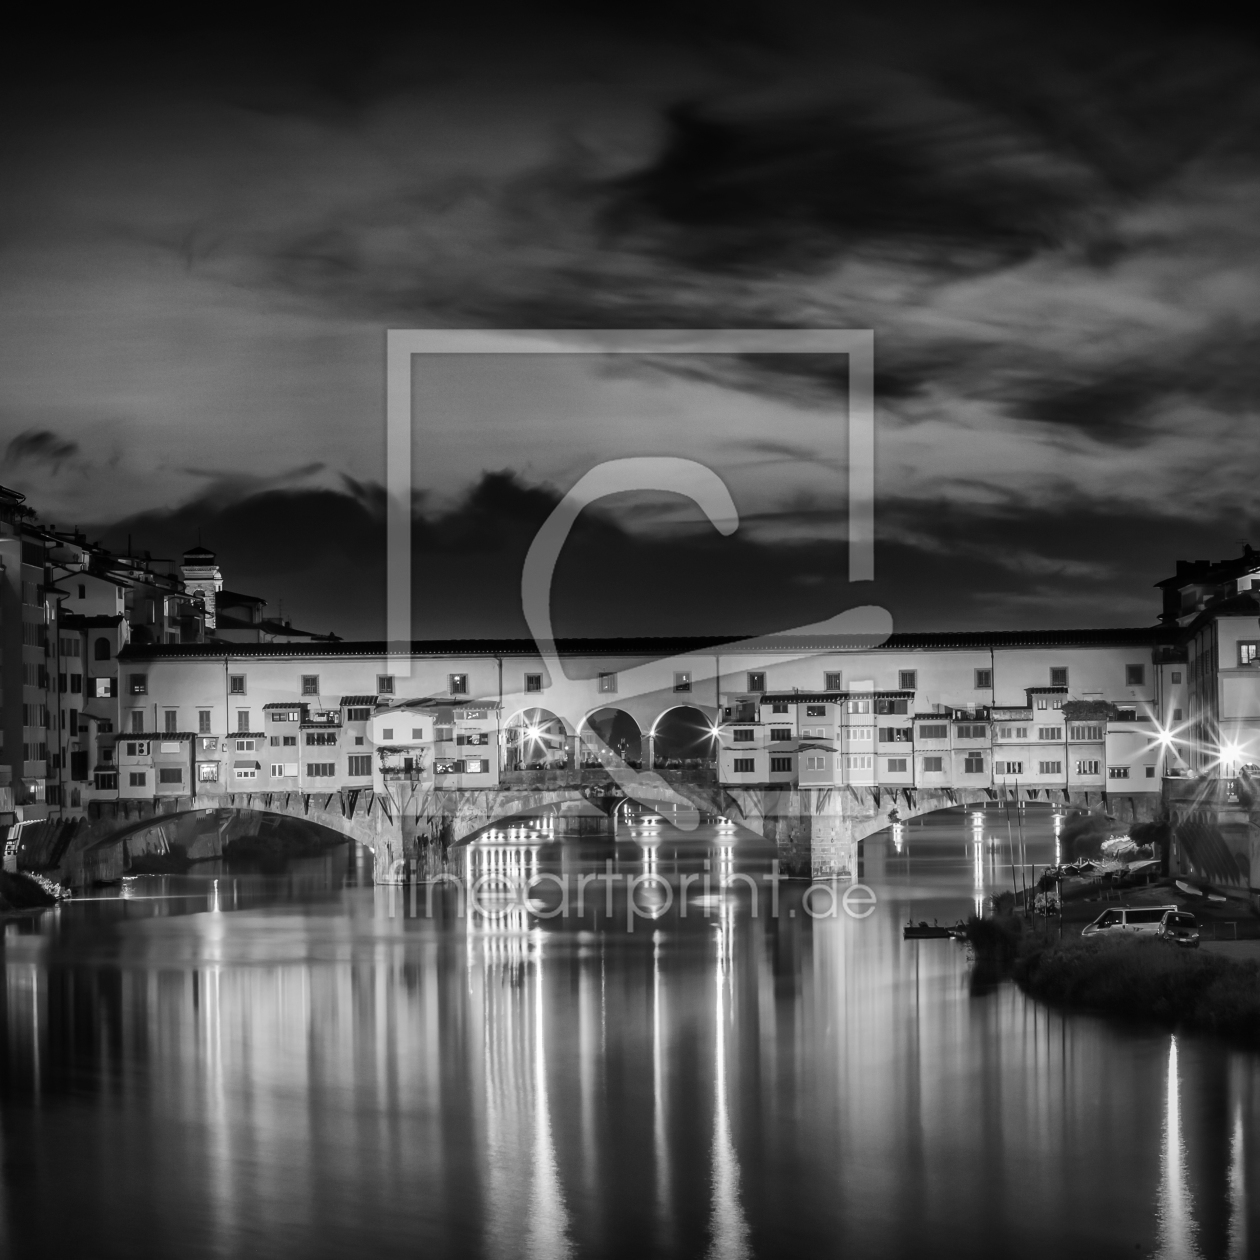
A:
(1179, 927)
(1128, 921)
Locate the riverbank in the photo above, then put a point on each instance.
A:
(1134, 978)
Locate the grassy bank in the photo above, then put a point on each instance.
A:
(1130, 977)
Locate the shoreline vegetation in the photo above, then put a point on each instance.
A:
(1133, 978)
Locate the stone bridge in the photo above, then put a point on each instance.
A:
(410, 826)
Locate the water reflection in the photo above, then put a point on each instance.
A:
(309, 1075)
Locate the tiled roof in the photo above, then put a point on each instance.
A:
(654, 648)
(357, 702)
(284, 704)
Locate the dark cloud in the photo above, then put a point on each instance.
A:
(797, 187)
(40, 446)
(938, 566)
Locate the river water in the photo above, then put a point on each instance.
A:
(237, 1063)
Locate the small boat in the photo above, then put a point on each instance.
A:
(925, 932)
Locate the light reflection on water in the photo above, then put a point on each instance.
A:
(239, 1064)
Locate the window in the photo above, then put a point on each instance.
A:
(103, 727)
(100, 689)
(1008, 767)
(973, 763)
(360, 766)
(778, 707)
(833, 682)
(608, 684)
(475, 738)
(533, 682)
(779, 733)
(314, 738)
(321, 769)
(1150, 772)
(1176, 715)
(896, 765)
(448, 767)
(138, 685)
(907, 679)
(387, 733)
(106, 782)
(100, 649)
(1086, 732)
(1058, 676)
(744, 735)
(476, 765)
(780, 765)
(1050, 732)
(246, 771)
(207, 772)
(757, 680)
(744, 765)
(137, 778)
(236, 684)
(242, 719)
(891, 704)
(310, 684)
(815, 710)
(934, 732)
(458, 684)
(137, 721)
(1248, 653)
(970, 731)
(815, 763)
(933, 765)
(203, 721)
(1117, 772)
(858, 706)
(984, 680)
(1049, 767)
(416, 733)
(385, 684)
(894, 734)
(289, 741)
(1176, 675)
(76, 684)
(682, 681)
(1126, 715)
(170, 774)
(1087, 767)
(358, 715)
(1135, 675)
(245, 745)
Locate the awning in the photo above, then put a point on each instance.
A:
(246, 765)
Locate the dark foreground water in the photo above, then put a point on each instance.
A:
(298, 1064)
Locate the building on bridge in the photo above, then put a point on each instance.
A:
(127, 682)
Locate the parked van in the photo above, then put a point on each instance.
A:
(1129, 921)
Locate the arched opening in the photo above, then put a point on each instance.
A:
(535, 739)
(618, 731)
(684, 738)
(101, 649)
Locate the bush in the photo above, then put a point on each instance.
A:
(1145, 978)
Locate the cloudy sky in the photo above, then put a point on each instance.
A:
(1051, 225)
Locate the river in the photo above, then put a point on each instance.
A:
(296, 1063)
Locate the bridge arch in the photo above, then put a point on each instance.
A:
(535, 738)
(684, 733)
(615, 729)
